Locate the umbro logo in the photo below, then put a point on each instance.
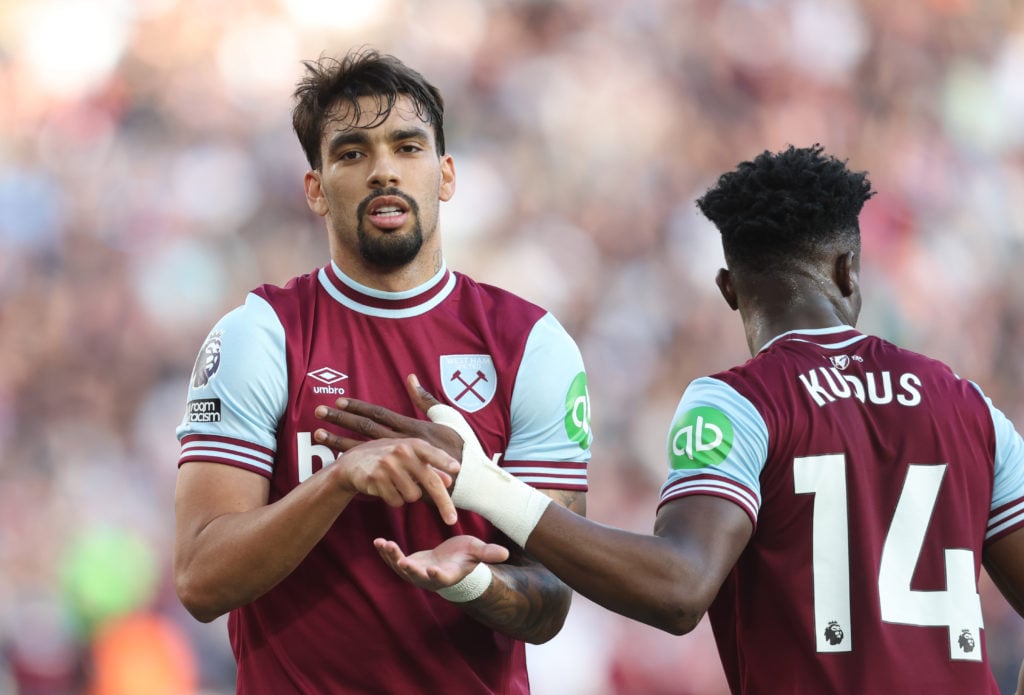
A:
(328, 376)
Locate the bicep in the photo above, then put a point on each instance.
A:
(709, 533)
(206, 491)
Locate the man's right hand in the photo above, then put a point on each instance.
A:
(400, 471)
(481, 486)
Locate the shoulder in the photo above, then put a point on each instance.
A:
(497, 297)
(250, 331)
(953, 388)
(509, 318)
(711, 398)
(292, 302)
(295, 289)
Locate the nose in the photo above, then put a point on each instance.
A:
(384, 172)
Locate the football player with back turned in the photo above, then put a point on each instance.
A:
(829, 503)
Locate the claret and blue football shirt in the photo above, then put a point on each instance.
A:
(874, 478)
(343, 622)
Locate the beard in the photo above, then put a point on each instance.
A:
(389, 249)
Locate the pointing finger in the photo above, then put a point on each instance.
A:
(419, 395)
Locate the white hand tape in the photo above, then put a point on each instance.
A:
(472, 586)
(487, 489)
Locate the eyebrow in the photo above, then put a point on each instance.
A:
(348, 137)
(358, 136)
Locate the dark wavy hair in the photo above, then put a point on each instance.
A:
(785, 206)
(330, 82)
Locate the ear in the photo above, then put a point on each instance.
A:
(314, 193)
(847, 273)
(724, 282)
(447, 187)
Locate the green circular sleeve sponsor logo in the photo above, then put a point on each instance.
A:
(577, 411)
(701, 437)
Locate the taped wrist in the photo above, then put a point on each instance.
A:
(472, 586)
(483, 487)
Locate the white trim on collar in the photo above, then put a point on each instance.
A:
(380, 312)
(819, 331)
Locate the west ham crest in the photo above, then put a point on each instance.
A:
(469, 380)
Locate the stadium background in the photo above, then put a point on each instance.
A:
(149, 178)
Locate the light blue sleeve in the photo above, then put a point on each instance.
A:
(239, 386)
(717, 444)
(1009, 461)
(550, 402)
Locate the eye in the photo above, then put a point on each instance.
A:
(410, 148)
(350, 155)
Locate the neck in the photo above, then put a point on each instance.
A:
(763, 324)
(390, 282)
(413, 274)
(804, 298)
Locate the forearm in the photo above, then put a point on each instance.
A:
(524, 601)
(627, 573)
(238, 556)
(667, 580)
(642, 577)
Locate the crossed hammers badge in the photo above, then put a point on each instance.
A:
(469, 380)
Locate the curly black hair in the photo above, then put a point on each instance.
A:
(361, 73)
(784, 206)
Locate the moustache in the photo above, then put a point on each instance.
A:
(377, 193)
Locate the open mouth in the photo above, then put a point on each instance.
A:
(387, 212)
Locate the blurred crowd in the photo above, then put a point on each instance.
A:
(149, 178)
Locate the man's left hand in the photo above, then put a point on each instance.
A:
(442, 566)
(378, 422)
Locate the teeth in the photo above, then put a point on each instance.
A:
(388, 210)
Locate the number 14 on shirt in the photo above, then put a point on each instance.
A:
(957, 608)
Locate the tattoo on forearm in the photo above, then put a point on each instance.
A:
(525, 601)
